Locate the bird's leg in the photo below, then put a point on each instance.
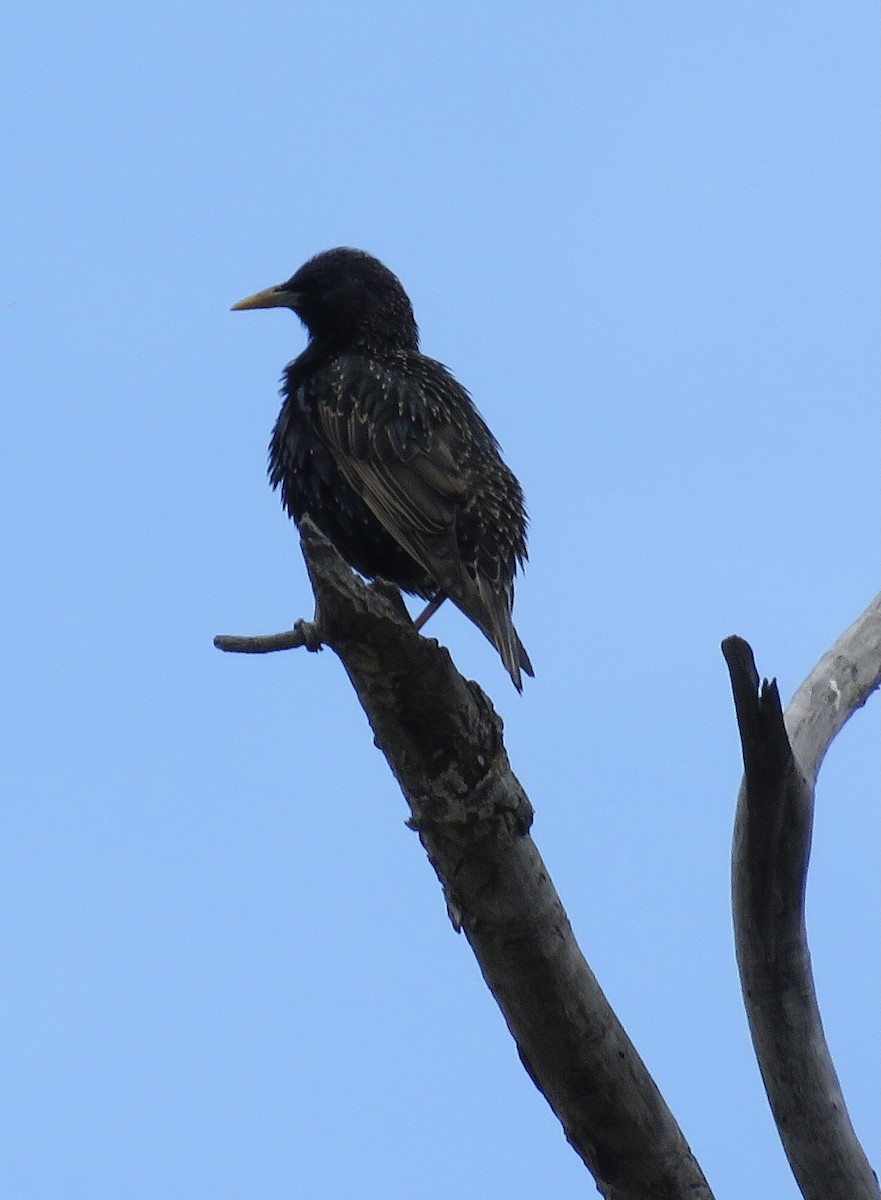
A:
(429, 611)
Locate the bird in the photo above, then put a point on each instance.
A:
(387, 454)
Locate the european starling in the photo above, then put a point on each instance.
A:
(387, 454)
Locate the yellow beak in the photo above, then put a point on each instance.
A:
(271, 297)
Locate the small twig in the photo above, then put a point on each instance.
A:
(310, 633)
(304, 633)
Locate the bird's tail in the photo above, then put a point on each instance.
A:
(514, 655)
(493, 617)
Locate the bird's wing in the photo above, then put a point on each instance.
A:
(384, 431)
(390, 434)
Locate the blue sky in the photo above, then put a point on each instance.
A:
(645, 237)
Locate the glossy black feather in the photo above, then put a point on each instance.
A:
(387, 454)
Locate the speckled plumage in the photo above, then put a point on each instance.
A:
(386, 452)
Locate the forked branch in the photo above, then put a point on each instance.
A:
(772, 841)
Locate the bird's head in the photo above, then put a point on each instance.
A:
(345, 297)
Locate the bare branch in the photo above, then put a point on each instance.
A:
(839, 684)
(772, 841)
(443, 742)
(264, 643)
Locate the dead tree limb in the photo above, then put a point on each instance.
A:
(264, 643)
(772, 842)
(443, 742)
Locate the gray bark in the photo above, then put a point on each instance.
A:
(772, 842)
(443, 742)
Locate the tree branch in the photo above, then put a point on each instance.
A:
(264, 643)
(443, 742)
(772, 842)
